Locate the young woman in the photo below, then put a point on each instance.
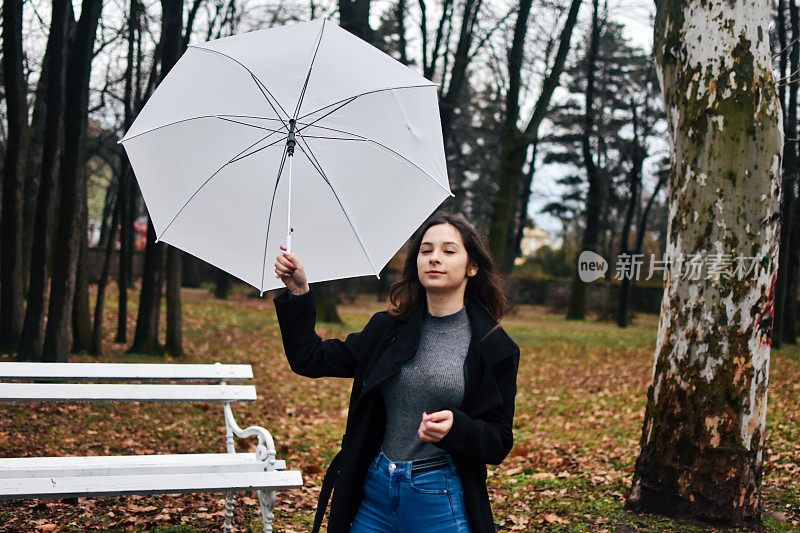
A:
(433, 390)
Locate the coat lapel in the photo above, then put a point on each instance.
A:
(490, 345)
(402, 346)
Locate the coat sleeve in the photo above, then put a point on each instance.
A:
(307, 353)
(487, 438)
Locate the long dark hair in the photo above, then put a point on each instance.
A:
(486, 285)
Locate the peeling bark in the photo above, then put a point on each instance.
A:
(703, 433)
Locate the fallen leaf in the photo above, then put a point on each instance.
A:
(554, 519)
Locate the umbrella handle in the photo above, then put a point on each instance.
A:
(289, 205)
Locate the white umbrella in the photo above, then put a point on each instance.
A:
(302, 134)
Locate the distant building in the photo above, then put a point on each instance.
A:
(532, 239)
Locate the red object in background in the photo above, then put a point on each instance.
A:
(139, 235)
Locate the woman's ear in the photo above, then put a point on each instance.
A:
(471, 270)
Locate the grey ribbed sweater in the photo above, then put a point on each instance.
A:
(433, 380)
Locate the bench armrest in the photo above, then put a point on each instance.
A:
(265, 451)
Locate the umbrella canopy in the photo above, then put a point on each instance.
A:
(304, 123)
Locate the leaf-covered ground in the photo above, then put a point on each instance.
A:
(580, 406)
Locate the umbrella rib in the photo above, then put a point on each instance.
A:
(335, 138)
(351, 98)
(269, 219)
(404, 158)
(308, 76)
(233, 159)
(260, 84)
(220, 117)
(366, 139)
(239, 156)
(334, 129)
(250, 125)
(315, 163)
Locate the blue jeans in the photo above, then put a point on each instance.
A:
(395, 501)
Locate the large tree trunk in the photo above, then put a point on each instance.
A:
(174, 339)
(11, 278)
(792, 218)
(108, 207)
(503, 228)
(145, 337)
(66, 249)
(147, 323)
(594, 197)
(222, 284)
(172, 47)
(33, 329)
(126, 215)
(81, 317)
(97, 327)
(789, 174)
(326, 299)
(703, 434)
(123, 273)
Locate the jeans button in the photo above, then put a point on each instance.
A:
(392, 467)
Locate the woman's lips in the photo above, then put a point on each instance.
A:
(434, 272)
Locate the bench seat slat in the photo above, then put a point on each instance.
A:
(123, 371)
(49, 392)
(68, 487)
(36, 467)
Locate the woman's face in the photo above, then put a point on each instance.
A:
(442, 261)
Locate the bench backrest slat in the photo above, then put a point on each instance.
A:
(123, 371)
(71, 392)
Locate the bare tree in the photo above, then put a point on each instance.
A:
(145, 338)
(172, 47)
(67, 249)
(449, 99)
(33, 330)
(11, 278)
(516, 142)
(596, 193)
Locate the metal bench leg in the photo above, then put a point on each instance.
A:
(266, 500)
(228, 512)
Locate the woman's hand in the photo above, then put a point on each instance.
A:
(435, 426)
(289, 268)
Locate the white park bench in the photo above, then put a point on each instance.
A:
(66, 477)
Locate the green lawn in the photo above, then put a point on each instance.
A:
(580, 406)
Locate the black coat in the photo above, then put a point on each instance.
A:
(482, 426)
